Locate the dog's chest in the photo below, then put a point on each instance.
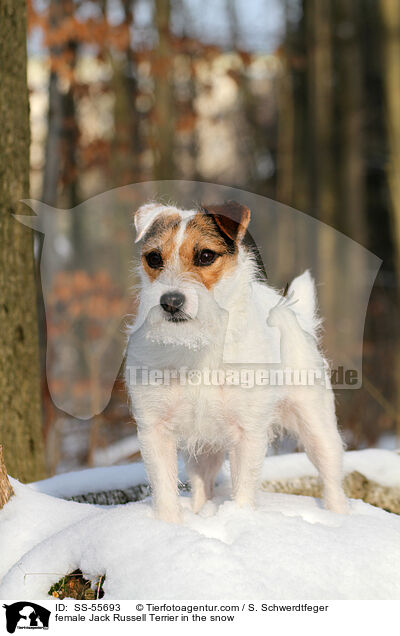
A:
(204, 415)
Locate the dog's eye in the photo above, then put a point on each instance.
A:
(154, 259)
(206, 257)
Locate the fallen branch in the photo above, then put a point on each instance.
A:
(356, 486)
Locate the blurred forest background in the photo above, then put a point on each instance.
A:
(296, 100)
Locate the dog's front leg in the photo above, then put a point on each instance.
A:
(159, 452)
(246, 460)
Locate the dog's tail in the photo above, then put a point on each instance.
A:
(296, 317)
(302, 291)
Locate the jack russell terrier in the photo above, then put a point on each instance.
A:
(205, 308)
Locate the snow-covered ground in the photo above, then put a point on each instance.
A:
(288, 548)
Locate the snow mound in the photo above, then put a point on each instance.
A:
(288, 548)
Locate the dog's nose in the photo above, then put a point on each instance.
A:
(172, 301)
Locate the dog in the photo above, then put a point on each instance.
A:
(205, 305)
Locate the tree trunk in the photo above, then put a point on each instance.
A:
(61, 170)
(20, 409)
(351, 107)
(290, 153)
(351, 169)
(390, 12)
(163, 135)
(127, 143)
(319, 20)
(320, 108)
(6, 490)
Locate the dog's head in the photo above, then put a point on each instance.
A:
(185, 257)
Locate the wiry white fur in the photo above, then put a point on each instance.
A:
(147, 214)
(239, 323)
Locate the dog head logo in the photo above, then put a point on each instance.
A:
(192, 258)
(26, 615)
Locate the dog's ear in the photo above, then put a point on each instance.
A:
(232, 218)
(145, 216)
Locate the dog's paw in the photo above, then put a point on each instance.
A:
(169, 515)
(337, 503)
(197, 502)
(245, 501)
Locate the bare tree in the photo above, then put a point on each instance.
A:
(163, 137)
(319, 22)
(20, 410)
(390, 12)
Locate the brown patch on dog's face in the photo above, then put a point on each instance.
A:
(203, 242)
(208, 248)
(159, 239)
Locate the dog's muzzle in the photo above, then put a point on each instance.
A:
(172, 303)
